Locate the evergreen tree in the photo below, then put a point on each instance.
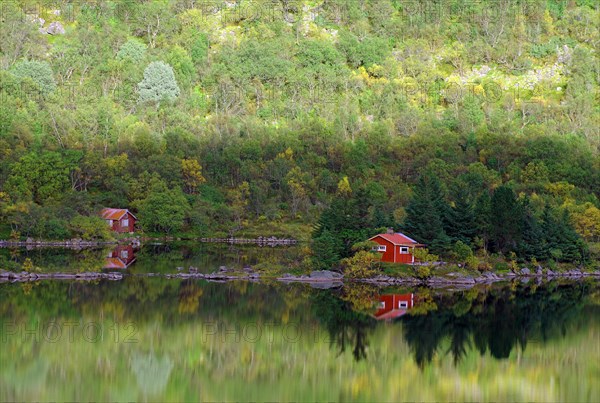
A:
(461, 218)
(483, 214)
(326, 250)
(533, 243)
(340, 220)
(426, 214)
(506, 220)
(564, 244)
(159, 84)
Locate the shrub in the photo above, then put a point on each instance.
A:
(461, 252)
(363, 264)
(90, 228)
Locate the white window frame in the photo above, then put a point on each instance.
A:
(404, 250)
(125, 223)
(382, 305)
(402, 304)
(109, 222)
(382, 248)
(124, 254)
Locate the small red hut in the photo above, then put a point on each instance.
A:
(396, 247)
(119, 220)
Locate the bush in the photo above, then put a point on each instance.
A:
(362, 265)
(90, 228)
(422, 272)
(461, 252)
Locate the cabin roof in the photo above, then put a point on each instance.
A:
(115, 213)
(398, 238)
(391, 314)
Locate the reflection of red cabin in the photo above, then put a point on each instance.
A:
(396, 247)
(120, 258)
(393, 306)
(119, 220)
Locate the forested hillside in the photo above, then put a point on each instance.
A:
(217, 116)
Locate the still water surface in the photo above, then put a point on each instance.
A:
(155, 339)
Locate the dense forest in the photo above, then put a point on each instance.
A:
(467, 124)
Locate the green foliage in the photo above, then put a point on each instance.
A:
(325, 250)
(427, 213)
(461, 252)
(159, 84)
(133, 50)
(90, 228)
(506, 219)
(363, 264)
(38, 71)
(163, 210)
(348, 124)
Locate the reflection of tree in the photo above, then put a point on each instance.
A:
(495, 321)
(189, 297)
(152, 372)
(345, 326)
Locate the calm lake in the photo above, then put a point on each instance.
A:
(158, 339)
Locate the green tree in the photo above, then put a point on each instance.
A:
(38, 71)
(326, 249)
(164, 209)
(506, 219)
(133, 50)
(427, 213)
(159, 84)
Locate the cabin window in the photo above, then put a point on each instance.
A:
(109, 222)
(381, 248)
(403, 249)
(124, 254)
(402, 304)
(125, 223)
(382, 305)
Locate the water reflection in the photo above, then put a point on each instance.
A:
(393, 306)
(184, 347)
(121, 257)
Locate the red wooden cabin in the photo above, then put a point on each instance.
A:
(396, 247)
(119, 220)
(393, 306)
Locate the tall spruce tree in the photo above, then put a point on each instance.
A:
(483, 214)
(506, 220)
(427, 214)
(564, 244)
(533, 240)
(461, 218)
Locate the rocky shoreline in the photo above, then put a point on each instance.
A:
(317, 279)
(86, 276)
(76, 243)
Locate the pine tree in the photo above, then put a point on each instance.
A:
(506, 219)
(461, 218)
(564, 244)
(533, 243)
(483, 214)
(326, 250)
(426, 214)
